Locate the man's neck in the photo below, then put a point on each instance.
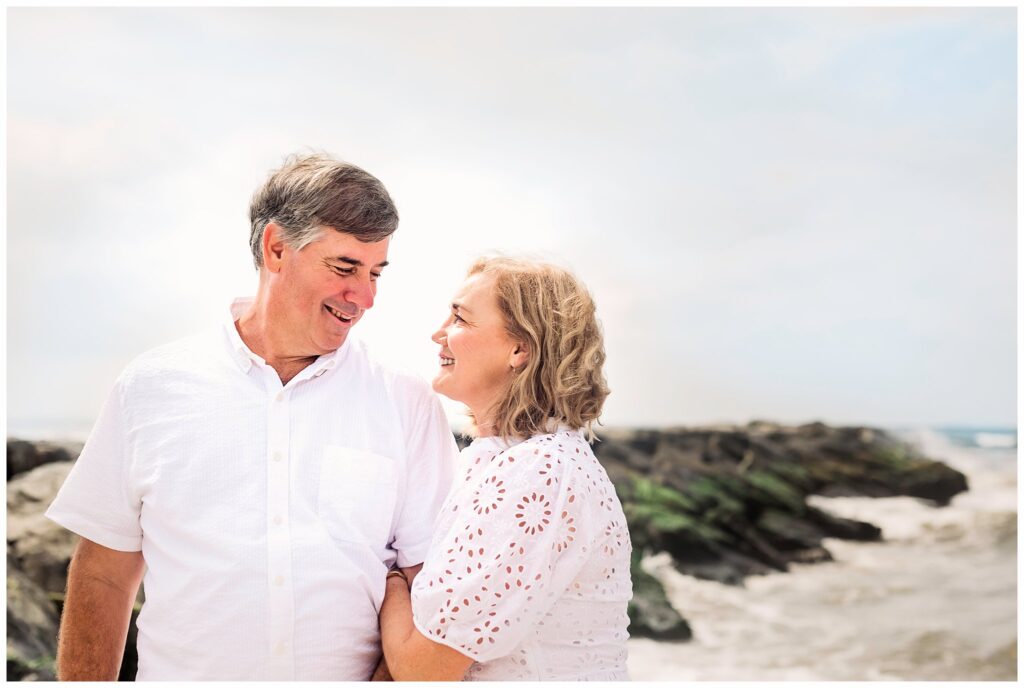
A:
(253, 327)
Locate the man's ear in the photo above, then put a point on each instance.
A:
(273, 246)
(519, 356)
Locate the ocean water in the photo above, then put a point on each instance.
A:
(936, 600)
(50, 429)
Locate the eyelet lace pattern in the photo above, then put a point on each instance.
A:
(528, 569)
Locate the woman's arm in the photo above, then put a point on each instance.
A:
(411, 656)
(382, 673)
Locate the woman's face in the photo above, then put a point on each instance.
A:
(477, 354)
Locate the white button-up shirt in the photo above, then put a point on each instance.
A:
(267, 514)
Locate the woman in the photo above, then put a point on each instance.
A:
(527, 575)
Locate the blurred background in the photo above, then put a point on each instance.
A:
(790, 215)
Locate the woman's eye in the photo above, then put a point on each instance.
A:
(456, 318)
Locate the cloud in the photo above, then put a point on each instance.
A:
(781, 213)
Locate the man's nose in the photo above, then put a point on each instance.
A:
(361, 294)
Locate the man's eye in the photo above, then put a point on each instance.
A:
(344, 271)
(375, 275)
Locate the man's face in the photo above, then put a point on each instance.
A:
(324, 289)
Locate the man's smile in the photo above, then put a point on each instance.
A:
(339, 315)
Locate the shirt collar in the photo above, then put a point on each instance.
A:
(245, 358)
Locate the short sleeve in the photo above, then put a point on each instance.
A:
(432, 453)
(518, 539)
(95, 500)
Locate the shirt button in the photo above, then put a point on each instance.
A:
(279, 649)
(279, 397)
(278, 580)
(278, 520)
(277, 456)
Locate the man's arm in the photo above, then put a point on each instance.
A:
(102, 584)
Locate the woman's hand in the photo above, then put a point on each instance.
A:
(410, 655)
(410, 573)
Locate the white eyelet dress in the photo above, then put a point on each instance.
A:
(528, 569)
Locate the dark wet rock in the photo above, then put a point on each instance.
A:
(23, 456)
(843, 528)
(32, 621)
(728, 502)
(650, 613)
(788, 533)
(41, 548)
(38, 554)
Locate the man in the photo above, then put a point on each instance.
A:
(265, 474)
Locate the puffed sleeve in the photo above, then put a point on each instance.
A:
(517, 540)
(96, 500)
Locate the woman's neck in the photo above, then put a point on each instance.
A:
(483, 422)
(485, 429)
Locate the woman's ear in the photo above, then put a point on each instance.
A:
(520, 355)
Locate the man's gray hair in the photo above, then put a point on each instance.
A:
(310, 192)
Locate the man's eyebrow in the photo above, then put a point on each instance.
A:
(356, 262)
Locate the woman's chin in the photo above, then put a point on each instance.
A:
(442, 387)
(439, 386)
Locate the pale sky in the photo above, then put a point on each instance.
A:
(788, 214)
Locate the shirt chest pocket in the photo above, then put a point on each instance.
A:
(356, 499)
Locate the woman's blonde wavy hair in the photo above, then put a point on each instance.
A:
(552, 313)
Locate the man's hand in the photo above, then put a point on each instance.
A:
(102, 584)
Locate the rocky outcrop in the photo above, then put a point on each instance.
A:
(23, 456)
(730, 502)
(651, 615)
(32, 623)
(38, 554)
(40, 547)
